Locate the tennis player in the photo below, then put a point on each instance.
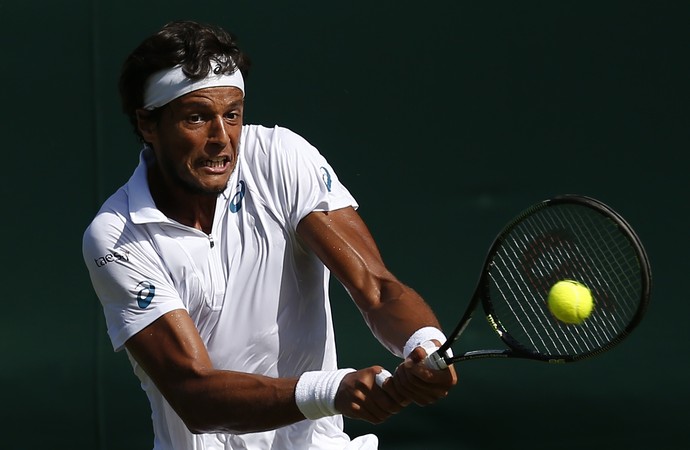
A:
(212, 265)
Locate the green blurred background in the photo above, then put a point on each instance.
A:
(444, 118)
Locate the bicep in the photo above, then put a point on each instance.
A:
(171, 352)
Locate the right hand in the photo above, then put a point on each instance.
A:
(359, 397)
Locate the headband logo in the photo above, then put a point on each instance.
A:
(168, 84)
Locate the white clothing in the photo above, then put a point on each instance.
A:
(257, 295)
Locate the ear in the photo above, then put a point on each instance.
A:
(146, 124)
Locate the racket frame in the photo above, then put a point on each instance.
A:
(442, 358)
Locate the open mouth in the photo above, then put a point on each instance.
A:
(216, 163)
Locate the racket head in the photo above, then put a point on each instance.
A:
(566, 237)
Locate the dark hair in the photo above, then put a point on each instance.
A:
(189, 44)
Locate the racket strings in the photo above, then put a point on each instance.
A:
(582, 261)
(529, 316)
(566, 241)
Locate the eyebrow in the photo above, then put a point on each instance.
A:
(198, 103)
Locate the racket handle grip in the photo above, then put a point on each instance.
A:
(433, 359)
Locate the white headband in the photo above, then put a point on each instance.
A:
(168, 84)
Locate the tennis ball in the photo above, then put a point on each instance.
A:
(570, 301)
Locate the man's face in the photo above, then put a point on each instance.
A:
(196, 139)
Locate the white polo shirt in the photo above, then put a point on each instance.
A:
(257, 295)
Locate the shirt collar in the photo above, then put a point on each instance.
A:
(142, 208)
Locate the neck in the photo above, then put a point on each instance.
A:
(195, 210)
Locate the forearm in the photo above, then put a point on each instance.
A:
(403, 322)
(234, 402)
(248, 403)
(396, 314)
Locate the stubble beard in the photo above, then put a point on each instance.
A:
(191, 186)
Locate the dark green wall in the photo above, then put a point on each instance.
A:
(444, 118)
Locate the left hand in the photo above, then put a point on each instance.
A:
(414, 381)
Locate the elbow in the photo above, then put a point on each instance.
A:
(199, 419)
(206, 421)
(372, 291)
(212, 423)
(196, 426)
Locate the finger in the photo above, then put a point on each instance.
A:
(397, 397)
(409, 387)
(360, 406)
(442, 376)
(433, 360)
(419, 384)
(384, 380)
(382, 376)
(386, 396)
(360, 412)
(370, 402)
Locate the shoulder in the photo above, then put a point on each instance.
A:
(109, 227)
(113, 213)
(261, 140)
(276, 153)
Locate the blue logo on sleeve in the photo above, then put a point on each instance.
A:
(326, 177)
(146, 293)
(236, 201)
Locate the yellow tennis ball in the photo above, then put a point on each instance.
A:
(570, 301)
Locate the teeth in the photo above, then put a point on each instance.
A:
(218, 162)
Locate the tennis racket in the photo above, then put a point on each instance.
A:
(567, 237)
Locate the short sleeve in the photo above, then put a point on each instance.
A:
(301, 177)
(128, 278)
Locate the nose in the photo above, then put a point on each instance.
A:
(218, 133)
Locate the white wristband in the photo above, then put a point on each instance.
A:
(315, 392)
(422, 335)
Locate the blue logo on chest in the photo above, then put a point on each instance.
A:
(236, 200)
